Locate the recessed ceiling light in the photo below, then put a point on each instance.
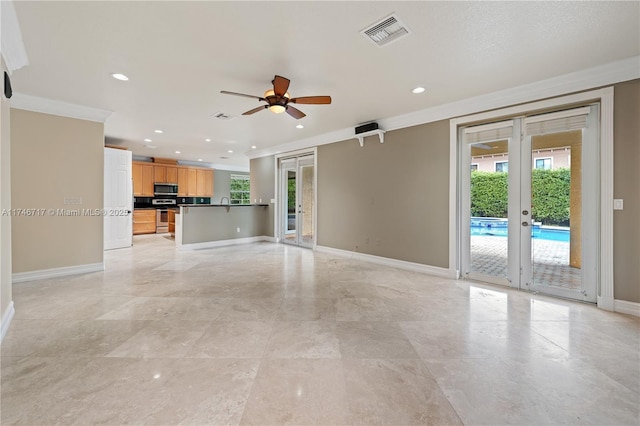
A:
(147, 140)
(150, 146)
(120, 77)
(418, 90)
(299, 126)
(199, 159)
(230, 151)
(207, 140)
(253, 147)
(177, 152)
(158, 131)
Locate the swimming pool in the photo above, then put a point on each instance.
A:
(495, 227)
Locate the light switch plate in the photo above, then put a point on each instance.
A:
(618, 204)
(73, 200)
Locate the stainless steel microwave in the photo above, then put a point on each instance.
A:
(165, 189)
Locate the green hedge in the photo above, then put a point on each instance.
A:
(550, 191)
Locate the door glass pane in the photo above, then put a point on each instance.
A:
(291, 202)
(556, 209)
(489, 193)
(306, 205)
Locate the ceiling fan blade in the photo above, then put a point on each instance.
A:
(318, 100)
(280, 85)
(253, 111)
(241, 94)
(295, 113)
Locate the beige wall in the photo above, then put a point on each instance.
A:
(389, 199)
(5, 204)
(263, 187)
(54, 157)
(626, 223)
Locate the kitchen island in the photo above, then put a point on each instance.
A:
(200, 226)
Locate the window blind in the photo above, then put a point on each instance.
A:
(489, 132)
(561, 121)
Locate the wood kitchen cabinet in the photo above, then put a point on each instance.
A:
(171, 175)
(192, 183)
(204, 183)
(182, 182)
(172, 222)
(143, 175)
(144, 221)
(159, 174)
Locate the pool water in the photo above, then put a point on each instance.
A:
(498, 228)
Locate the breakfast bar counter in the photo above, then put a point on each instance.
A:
(211, 225)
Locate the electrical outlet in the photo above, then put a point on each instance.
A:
(237, 229)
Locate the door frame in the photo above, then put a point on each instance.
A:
(604, 96)
(277, 222)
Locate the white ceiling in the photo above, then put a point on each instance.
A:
(179, 55)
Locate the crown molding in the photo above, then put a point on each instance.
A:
(611, 73)
(323, 139)
(11, 44)
(64, 109)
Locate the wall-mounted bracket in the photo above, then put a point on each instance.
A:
(378, 132)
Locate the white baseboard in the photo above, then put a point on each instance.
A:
(624, 307)
(224, 243)
(42, 274)
(6, 321)
(401, 264)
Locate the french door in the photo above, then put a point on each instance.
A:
(530, 202)
(297, 200)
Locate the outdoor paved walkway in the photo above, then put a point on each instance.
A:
(551, 261)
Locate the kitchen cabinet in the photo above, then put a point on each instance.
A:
(204, 183)
(144, 221)
(159, 174)
(171, 175)
(142, 175)
(192, 183)
(172, 222)
(182, 182)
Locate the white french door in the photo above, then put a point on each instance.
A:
(297, 191)
(530, 202)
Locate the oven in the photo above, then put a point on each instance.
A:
(162, 206)
(162, 220)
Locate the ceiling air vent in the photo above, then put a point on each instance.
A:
(386, 31)
(222, 116)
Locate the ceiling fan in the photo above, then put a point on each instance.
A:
(278, 99)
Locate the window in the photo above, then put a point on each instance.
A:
(543, 163)
(239, 189)
(502, 166)
(474, 167)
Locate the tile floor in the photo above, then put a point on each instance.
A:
(267, 334)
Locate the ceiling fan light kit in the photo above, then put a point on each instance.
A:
(278, 99)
